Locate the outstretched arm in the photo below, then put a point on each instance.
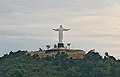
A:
(56, 29)
(66, 29)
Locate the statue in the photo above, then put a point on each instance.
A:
(60, 30)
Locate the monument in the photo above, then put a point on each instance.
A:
(60, 30)
(60, 48)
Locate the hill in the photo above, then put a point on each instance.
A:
(17, 64)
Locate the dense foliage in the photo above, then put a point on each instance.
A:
(93, 65)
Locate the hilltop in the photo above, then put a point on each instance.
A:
(17, 64)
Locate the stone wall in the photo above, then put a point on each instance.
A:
(75, 54)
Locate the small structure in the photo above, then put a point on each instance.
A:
(68, 44)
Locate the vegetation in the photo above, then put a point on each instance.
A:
(16, 64)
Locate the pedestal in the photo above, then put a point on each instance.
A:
(60, 45)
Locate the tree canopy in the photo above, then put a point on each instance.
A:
(16, 64)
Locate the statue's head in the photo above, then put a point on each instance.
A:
(60, 26)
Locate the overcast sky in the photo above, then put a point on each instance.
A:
(28, 24)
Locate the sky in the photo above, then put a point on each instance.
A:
(28, 24)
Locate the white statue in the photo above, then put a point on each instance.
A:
(61, 29)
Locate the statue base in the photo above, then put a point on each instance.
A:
(60, 45)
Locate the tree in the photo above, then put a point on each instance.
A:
(48, 46)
